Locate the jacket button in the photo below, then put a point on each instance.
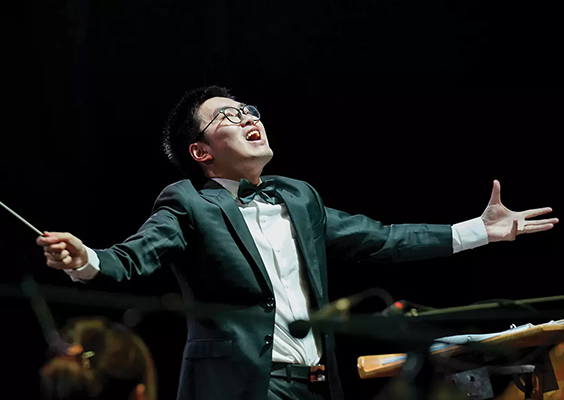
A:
(270, 302)
(268, 339)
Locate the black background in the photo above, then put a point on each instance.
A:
(404, 111)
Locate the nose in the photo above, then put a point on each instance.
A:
(248, 119)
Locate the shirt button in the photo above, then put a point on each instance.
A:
(270, 302)
(268, 339)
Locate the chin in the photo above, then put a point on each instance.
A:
(261, 160)
(269, 155)
(264, 152)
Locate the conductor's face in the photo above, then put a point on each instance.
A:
(235, 139)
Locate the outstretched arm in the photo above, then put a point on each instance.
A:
(160, 238)
(502, 224)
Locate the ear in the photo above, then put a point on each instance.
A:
(200, 152)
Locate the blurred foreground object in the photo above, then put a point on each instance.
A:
(105, 361)
(468, 361)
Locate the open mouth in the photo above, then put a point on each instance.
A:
(253, 135)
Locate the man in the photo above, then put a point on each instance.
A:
(262, 248)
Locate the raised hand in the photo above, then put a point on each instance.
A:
(63, 250)
(503, 224)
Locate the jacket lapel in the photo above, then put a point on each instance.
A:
(301, 221)
(218, 195)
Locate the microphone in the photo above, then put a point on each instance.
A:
(341, 308)
(404, 307)
(299, 328)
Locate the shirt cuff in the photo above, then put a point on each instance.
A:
(88, 271)
(468, 235)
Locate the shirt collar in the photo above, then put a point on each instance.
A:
(229, 184)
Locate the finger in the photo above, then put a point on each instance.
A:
(67, 261)
(63, 264)
(541, 221)
(60, 236)
(55, 248)
(57, 256)
(71, 242)
(537, 228)
(495, 198)
(520, 226)
(53, 264)
(68, 238)
(515, 228)
(536, 211)
(47, 240)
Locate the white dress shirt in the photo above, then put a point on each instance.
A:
(276, 241)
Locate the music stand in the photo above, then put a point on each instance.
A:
(474, 382)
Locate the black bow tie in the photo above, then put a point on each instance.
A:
(247, 191)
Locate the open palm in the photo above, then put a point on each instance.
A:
(503, 224)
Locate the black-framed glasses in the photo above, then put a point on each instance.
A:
(234, 115)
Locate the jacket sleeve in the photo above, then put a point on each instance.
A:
(162, 237)
(359, 238)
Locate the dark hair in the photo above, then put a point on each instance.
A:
(182, 127)
(111, 361)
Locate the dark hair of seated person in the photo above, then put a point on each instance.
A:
(104, 361)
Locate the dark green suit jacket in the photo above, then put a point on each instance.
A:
(203, 235)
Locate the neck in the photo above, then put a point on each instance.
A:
(250, 170)
(253, 178)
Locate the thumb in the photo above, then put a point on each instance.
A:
(496, 193)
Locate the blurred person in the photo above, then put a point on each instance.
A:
(105, 360)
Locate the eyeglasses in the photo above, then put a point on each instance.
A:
(234, 115)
